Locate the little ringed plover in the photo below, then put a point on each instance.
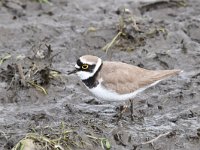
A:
(116, 81)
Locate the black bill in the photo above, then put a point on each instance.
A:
(73, 71)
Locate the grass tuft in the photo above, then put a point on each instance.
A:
(61, 138)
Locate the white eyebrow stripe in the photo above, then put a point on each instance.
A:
(76, 66)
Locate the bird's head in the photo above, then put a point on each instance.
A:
(86, 66)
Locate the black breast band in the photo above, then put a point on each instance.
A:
(91, 82)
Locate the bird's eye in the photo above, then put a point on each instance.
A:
(84, 66)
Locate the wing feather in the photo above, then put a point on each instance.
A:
(124, 78)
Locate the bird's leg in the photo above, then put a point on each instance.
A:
(131, 109)
(122, 109)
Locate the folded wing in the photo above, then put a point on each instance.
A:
(124, 78)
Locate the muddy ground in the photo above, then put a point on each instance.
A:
(166, 36)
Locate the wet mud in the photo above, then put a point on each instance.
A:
(162, 34)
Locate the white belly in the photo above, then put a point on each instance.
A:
(108, 95)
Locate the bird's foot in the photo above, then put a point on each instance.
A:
(121, 110)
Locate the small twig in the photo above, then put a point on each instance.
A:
(21, 73)
(5, 58)
(54, 55)
(11, 83)
(134, 25)
(38, 87)
(105, 48)
(49, 50)
(155, 139)
(4, 134)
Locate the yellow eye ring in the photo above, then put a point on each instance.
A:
(84, 66)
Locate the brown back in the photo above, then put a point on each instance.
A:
(124, 78)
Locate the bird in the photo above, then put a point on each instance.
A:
(117, 81)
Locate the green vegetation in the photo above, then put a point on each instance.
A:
(131, 33)
(42, 1)
(61, 138)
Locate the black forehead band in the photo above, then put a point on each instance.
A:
(90, 67)
(79, 63)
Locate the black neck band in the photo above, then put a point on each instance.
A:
(91, 82)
